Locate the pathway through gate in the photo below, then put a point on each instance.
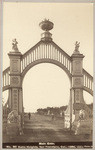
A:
(41, 128)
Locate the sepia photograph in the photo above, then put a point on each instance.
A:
(47, 75)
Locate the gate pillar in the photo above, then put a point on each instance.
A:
(77, 81)
(9, 99)
(15, 117)
(15, 92)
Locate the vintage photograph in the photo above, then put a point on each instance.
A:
(47, 98)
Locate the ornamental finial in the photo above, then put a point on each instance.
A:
(14, 45)
(46, 25)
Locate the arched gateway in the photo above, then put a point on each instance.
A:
(46, 51)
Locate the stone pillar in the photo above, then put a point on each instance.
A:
(20, 107)
(71, 109)
(68, 113)
(15, 91)
(77, 80)
(15, 80)
(9, 99)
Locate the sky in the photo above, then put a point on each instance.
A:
(46, 84)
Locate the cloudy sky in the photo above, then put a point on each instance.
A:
(46, 84)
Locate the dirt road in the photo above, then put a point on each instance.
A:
(43, 128)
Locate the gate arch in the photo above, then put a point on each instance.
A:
(45, 61)
(46, 51)
(35, 73)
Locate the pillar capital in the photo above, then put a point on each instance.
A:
(73, 56)
(14, 55)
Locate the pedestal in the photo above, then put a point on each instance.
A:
(12, 129)
(14, 124)
(84, 127)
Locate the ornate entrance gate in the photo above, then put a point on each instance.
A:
(46, 51)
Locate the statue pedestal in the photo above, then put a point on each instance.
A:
(14, 124)
(12, 129)
(83, 126)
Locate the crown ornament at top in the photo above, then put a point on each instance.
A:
(46, 25)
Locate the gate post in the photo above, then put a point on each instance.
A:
(15, 77)
(15, 91)
(77, 81)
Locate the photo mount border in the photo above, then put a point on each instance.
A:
(1, 52)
